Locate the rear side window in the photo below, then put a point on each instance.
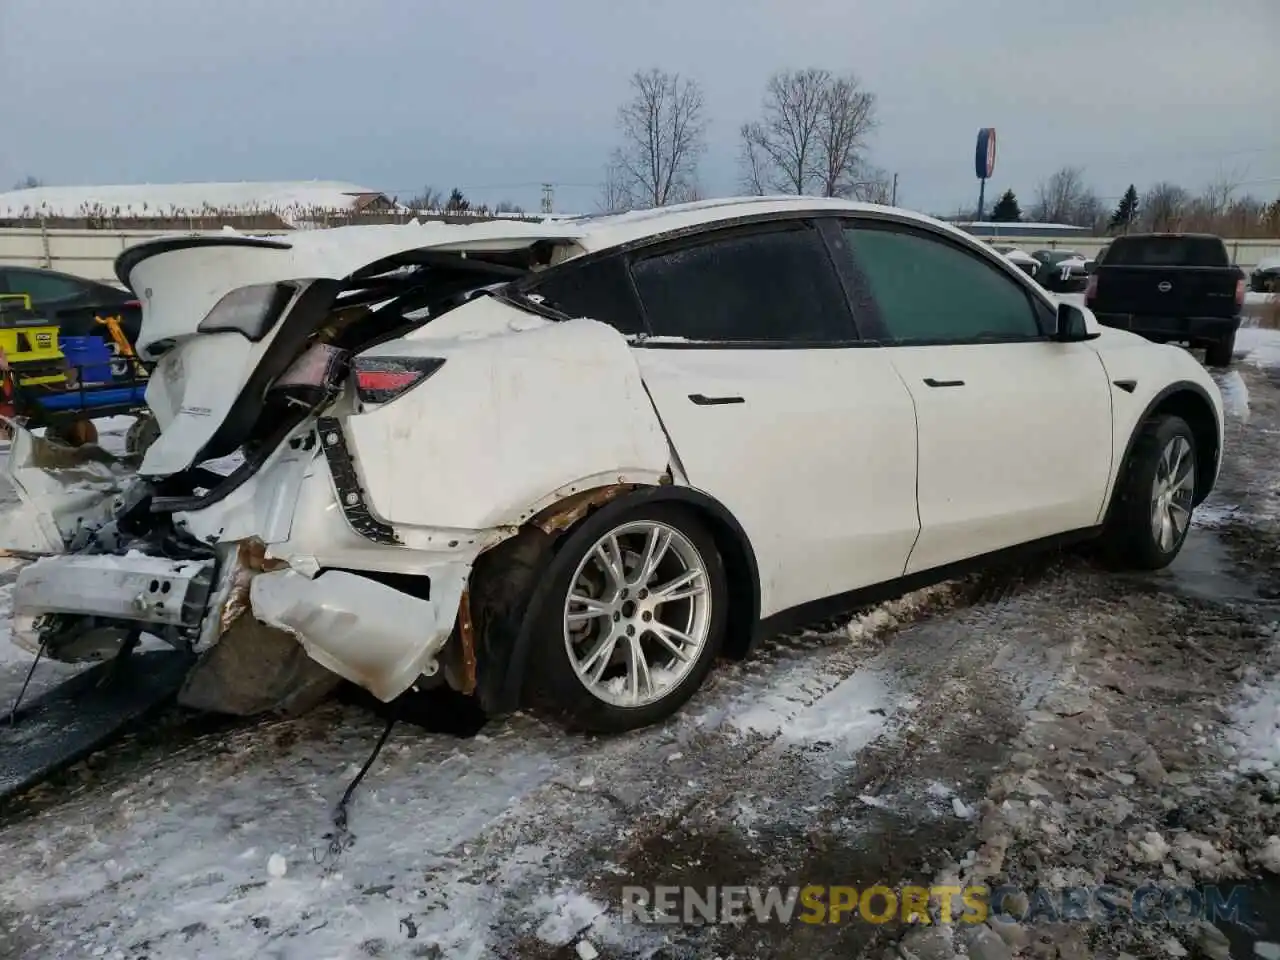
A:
(43, 286)
(767, 285)
(1167, 252)
(930, 291)
(599, 290)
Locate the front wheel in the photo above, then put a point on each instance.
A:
(1151, 515)
(633, 620)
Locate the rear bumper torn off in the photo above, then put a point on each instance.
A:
(379, 638)
(147, 591)
(247, 630)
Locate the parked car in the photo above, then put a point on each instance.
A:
(653, 439)
(71, 303)
(1020, 259)
(1171, 287)
(1062, 271)
(1266, 276)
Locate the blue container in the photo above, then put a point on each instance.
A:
(89, 356)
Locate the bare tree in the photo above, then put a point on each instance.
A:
(787, 138)
(876, 186)
(848, 117)
(811, 135)
(1058, 198)
(1164, 206)
(753, 163)
(664, 135)
(1089, 211)
(615, 192)
(429, 199)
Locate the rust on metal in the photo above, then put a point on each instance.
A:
(252, 554)
(251, 559)
(571, 509)
(467, 639)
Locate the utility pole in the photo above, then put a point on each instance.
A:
(893, 194)
(548, 197)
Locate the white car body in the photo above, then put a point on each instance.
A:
(531, 420)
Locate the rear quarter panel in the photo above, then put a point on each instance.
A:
(523, 412)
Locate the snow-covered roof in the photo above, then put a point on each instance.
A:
(184, 199)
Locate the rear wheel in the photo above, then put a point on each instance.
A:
(1151, 515)
(1220, 352)
(633, 621)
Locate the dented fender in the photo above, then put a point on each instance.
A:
(523, 412)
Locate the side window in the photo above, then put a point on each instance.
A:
(929, 291)
(599, 290)
(43, 286)
(773, 284)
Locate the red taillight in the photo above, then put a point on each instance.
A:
(382, 379)
(1091, 287)
(1240, 292)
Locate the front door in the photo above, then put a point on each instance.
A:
(1014, 428)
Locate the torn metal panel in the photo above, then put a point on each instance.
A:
(64, 490)
(373, 635)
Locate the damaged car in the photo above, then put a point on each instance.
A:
(569, 465)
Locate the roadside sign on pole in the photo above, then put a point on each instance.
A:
(984, 158)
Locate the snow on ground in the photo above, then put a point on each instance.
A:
(1235, 396)
(1259, 346)
(1254, 737)
(1035, 737)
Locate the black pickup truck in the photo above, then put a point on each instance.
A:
(1170, 287)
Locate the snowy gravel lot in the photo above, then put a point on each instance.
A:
(1046, 726)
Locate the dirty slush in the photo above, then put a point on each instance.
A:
(1044, 728)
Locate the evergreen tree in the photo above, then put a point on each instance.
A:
(1006, 209)
(457, 203)
(1127, 212)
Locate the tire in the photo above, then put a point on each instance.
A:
(1130, 539)
(1220, 352)
(568, 634)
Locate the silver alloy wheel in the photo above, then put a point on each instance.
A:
(1172, 493)
(638, 613)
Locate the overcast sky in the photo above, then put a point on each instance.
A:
(497, 96)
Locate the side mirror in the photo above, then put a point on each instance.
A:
(1073, 324)
(1090, 267)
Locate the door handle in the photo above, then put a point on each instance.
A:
(943, 383)
(704, 401)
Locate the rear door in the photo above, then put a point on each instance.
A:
(777, 409)
(1014, 429)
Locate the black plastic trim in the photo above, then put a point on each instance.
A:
(826, 608)
(129, 259)
(347, 483)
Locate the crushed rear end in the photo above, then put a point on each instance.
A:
(246, 535)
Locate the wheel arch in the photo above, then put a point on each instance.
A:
(1190, 401)
(533, 554)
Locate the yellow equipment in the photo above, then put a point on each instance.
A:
(31, 346)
